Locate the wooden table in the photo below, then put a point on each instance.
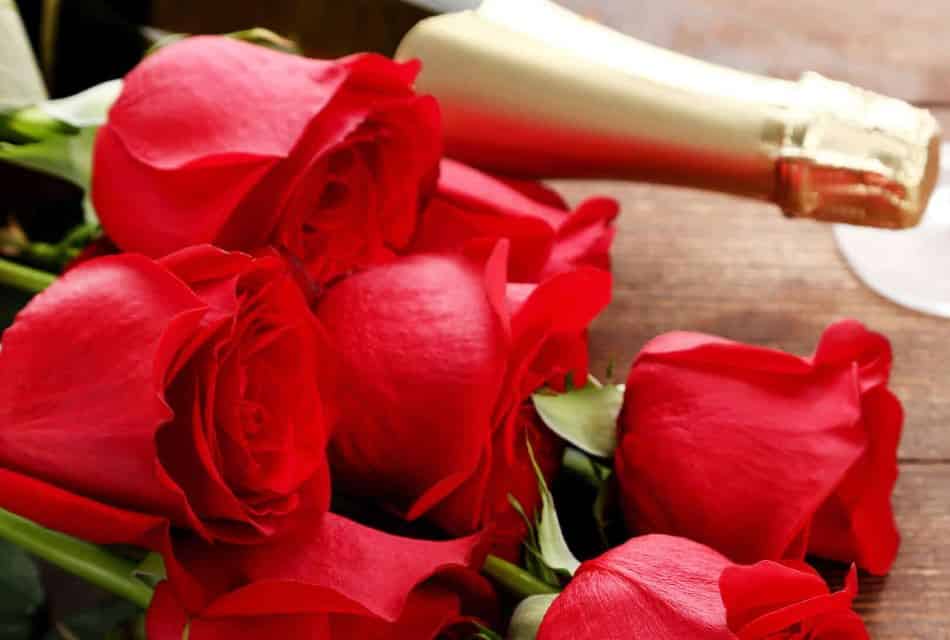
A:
(690, 260)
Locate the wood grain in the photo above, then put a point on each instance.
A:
(912, 602)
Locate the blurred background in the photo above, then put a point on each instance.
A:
(885, 46)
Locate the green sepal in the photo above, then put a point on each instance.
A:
(527, 618)
(585, 417)
(551, 543)
(151, 570)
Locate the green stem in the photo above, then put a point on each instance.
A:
(515, 579)
(24, 278)
(585, 467)
(79, 558)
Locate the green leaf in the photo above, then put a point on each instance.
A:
(514, 579)
(85, 110)
(65, 156)
(266, 38)
(554, 550)
(61, 134)
(585, 467)
(21, 592)
(604, 506)
(586, 417)
(20, 80)
(526, 620)
(93, 624)
(151, 570)
(88, 561)
(533, 561)
(483, 633)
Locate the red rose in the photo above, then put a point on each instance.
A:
(771, 601)
(142, 395)
(224, 142)
(338, 580)
(655, 587)
(434, 358)
(546, 238)
(761, 454)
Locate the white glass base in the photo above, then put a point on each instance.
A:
(910, 267)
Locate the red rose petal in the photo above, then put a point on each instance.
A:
(761, 454)
(409, 337)
(767, 598)
(655, 587)
(111, 327)
(546, 239)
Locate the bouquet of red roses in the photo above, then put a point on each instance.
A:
(317, 381)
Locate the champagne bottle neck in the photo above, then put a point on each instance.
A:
(530, 88)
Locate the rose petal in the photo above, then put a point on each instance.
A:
(322, 567)
(767, 598)
(83, 369)
(258, 113)
(418, 334)
(655, 587)
(715, 434)
(545, 238)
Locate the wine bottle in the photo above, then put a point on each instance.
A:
(527, 87)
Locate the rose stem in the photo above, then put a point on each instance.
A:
(24, 278)
(79, 558)
(515, 579)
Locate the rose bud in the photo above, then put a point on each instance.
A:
(546, 238)
(142, 395)
(764, 455)
(771, 601)
(433, 361)
(223, 142)
(343, 581)
(656, 587)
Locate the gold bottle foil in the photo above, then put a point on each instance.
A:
(530, 88)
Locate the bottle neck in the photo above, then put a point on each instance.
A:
(530, 88)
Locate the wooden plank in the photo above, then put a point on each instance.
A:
(911, 602)
(892, 47)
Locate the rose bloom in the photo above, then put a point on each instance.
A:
(656, 587)
(772, 601)
(140, 395)
(546, 237)
(431, 363)
(763, 455)
(223, 142)
(668, 588)
(174, 405)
